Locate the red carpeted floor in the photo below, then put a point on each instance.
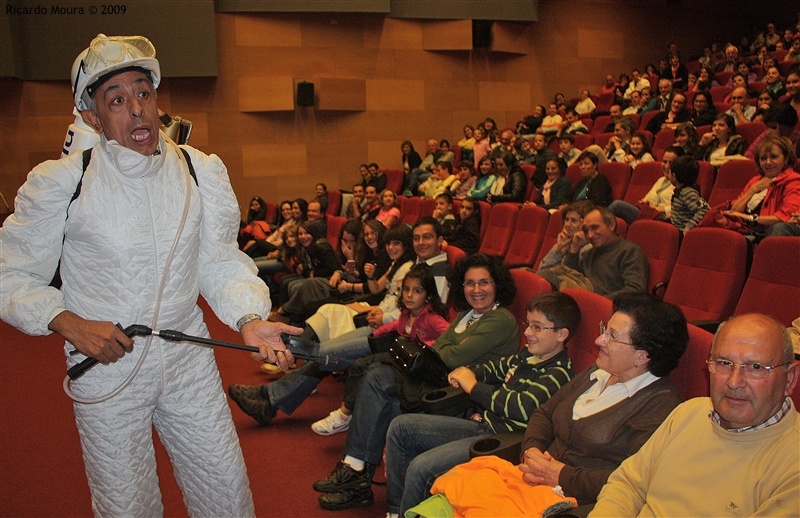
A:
(41, 471)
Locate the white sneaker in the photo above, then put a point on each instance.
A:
(336, 422)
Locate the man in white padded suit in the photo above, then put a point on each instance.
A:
(138, 245)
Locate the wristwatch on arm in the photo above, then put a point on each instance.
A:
(251, 317)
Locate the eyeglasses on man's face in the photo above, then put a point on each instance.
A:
(752, 370)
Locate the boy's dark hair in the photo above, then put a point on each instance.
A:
(679, 151)
(685, 168)
(464, 164)
(559, 308)
(447, 197)
(582, 207)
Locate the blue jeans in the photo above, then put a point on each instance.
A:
(292, 389)
(376, 405)
(266, 268)
(269, 266)
(421, 447)
(624, 210)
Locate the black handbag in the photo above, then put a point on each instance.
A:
(418, 362)
(381, 343)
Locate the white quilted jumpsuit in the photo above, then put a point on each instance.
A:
(118, 236)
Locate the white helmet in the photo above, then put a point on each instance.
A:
(107, 54)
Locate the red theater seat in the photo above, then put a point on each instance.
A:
(709, 273)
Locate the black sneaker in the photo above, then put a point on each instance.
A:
(343, 478)
(249, 399)
(346, 499)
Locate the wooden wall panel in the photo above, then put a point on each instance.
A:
(264, 94)
(330, 31)
(447, 35)
(501, 96)
(451, 95)
(393, 33)
(386, 153)
(42, 98)
(342, 94)
(395, 94)
(267, 31)
(274, 159)
(600, 44)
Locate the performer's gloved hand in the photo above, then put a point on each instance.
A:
(103, 341)
(267, 337)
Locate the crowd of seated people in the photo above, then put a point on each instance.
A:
(368, 283)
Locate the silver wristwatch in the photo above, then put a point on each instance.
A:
(246, 320)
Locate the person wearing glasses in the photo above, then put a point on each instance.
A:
(504, 392)
(587, 428)
(735, 452)
(483, 331)
(607, 412)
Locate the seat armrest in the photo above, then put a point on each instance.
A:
(449, 401)
(506, 445)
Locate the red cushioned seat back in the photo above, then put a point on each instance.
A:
(660, 241)
(732, 176)
(500, 228)
(594, 309)
(691, 374)
(528, 286)
(528, 235)
(709, 274)
(642, 180)
(773, 284)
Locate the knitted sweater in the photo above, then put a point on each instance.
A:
(688, 208)
(514, 386)
(618, 267)
(593, 447)
(496, 334)
(693, 467)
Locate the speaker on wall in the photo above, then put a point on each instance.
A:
(482, 34)
(305, 94)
